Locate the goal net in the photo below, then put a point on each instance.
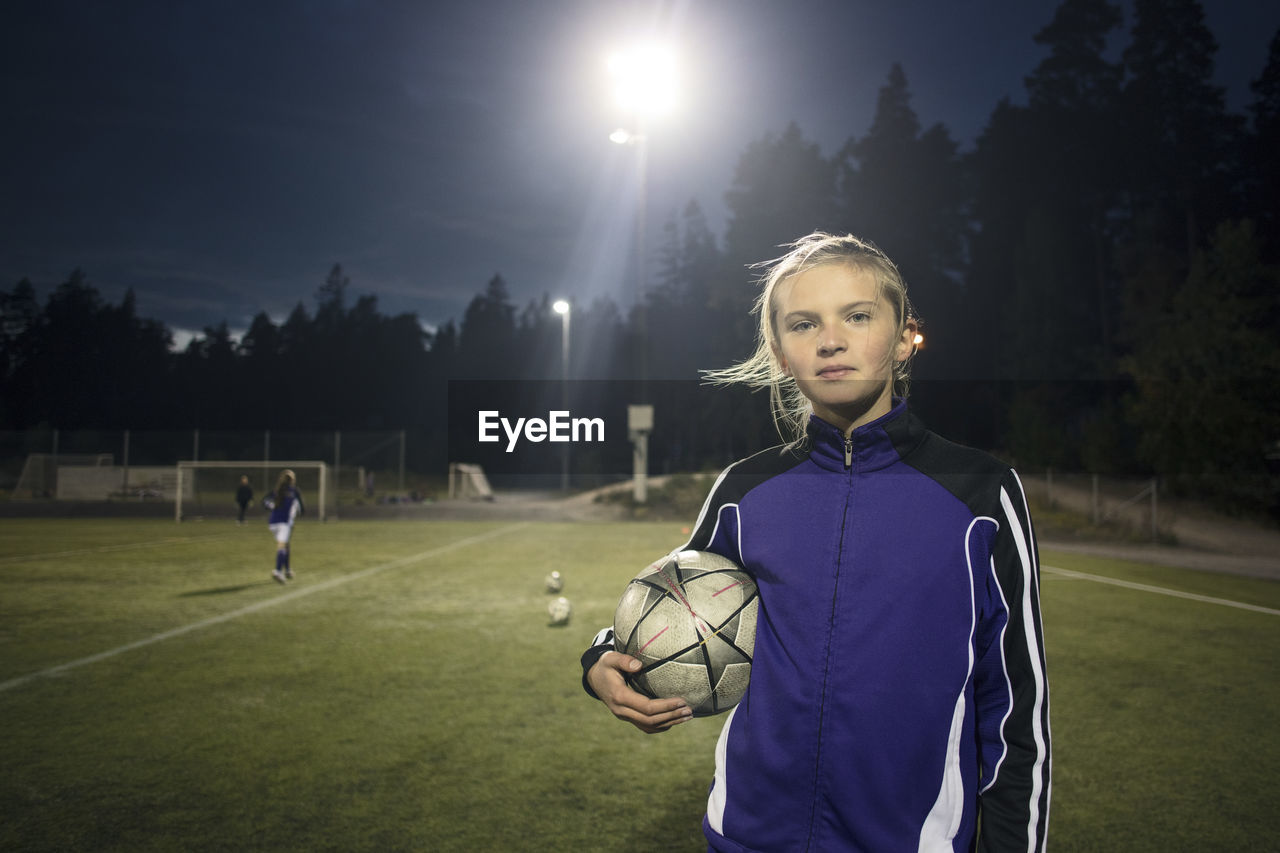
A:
(468, 481)
(39, 477)
(209, 488)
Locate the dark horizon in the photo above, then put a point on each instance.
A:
(219, 162)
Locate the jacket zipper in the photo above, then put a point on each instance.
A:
(831, 620)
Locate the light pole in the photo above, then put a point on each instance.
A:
(562, 307)
(645, 87)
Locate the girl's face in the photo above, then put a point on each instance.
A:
(838, 337)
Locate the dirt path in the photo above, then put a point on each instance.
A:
(1205, 540)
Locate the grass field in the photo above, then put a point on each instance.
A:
(159, 692)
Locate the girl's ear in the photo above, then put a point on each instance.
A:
(906, 344)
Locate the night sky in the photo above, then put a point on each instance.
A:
(219, 158)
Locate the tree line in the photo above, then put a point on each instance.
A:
(1097, 280)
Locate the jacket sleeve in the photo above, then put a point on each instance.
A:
(601, 643)
(1011, 687)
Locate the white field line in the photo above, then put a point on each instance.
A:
(1240, 605)
(104, 549)
(261, 605)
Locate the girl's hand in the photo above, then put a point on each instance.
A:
(607, 678)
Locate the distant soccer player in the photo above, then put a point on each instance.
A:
(285, 504)
(244, 495)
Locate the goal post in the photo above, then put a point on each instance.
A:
(39, 477)
(468, 481)
(202, 485)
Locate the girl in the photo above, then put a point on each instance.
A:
(898, 697)
(285, 504)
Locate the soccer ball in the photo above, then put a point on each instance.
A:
(690, 619)
(555, 583)
(560, 610)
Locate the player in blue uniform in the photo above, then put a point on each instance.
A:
(286, 505)
(898, 697)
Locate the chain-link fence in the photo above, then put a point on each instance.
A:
(1189, 511)
(135, 465)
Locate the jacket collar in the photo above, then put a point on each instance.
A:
(870, 447)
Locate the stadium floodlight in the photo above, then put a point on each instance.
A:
(645, 80)
(563, 308)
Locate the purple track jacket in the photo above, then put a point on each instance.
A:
(898, 685)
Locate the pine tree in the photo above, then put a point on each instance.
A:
(902, 189)
(1074, 101)
(783, 188)
(1263, 152)
(487, 331)
(1207, 402)
(1179, 141)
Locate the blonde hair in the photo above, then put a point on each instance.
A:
(287, 478)
(790, 408)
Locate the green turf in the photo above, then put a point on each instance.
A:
(427, 705)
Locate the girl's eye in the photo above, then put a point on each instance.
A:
(802, 325)
(860, 317)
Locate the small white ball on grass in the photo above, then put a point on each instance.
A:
(560, 610)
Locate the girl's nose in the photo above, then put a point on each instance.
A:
(830, 344)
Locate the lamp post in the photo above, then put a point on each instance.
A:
(622, 136)
(562, 307)
(645, 87)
